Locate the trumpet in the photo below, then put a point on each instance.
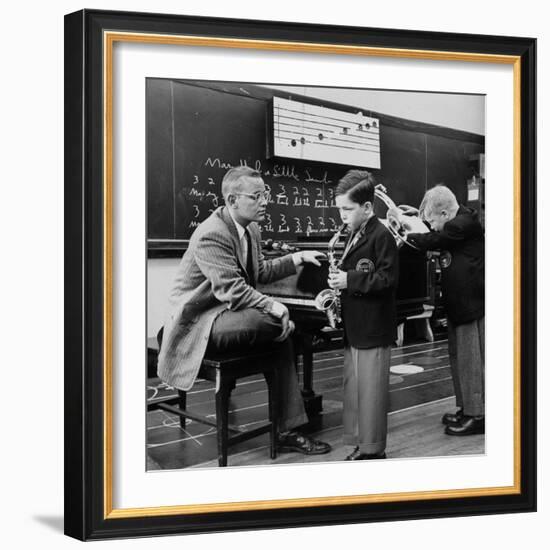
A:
(328, 300)
(397, 222)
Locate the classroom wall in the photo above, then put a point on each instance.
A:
(160, 273)
(446, 112)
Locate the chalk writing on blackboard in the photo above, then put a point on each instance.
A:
(217, 163)
(283, 227)
(300, 198)
(281, 196)
(268, 224)
(310, 179)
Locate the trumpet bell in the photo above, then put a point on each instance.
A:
(397, 222)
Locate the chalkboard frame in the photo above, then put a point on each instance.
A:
(88, 506)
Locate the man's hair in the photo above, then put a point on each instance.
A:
(359, 185)
(436, 199)
(231, 183)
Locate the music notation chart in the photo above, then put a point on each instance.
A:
(309, 132)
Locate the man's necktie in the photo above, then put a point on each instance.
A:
(249, 266)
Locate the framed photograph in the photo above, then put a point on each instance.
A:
(220, 261)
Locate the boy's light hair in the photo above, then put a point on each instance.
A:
(436, 199)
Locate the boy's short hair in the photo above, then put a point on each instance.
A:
(436, 199)
(231, 181)
(359, 186)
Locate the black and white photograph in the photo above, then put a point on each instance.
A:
(315, 274)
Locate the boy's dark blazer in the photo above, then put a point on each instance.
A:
(369, 302)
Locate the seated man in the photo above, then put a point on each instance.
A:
(214, 304)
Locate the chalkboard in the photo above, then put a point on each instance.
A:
(196, 131)
(213, 131)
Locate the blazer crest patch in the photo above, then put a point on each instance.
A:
(365, 265)
(445, 259)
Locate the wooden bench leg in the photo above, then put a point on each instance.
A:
(222, 419)
(424, 329)
(182, 403)
(400, 334)
(272, 379)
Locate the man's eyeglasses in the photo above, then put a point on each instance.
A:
(256, 197)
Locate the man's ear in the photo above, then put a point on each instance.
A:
(231, 200)
(368, 206)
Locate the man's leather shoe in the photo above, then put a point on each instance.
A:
(356, 454)
(295, 442)
(452, 418)
(469, 425)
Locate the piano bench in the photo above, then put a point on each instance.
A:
(225, 369)
(421, 323)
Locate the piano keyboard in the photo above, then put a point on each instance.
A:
(288, 300)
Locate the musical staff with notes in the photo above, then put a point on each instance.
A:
(310, 132)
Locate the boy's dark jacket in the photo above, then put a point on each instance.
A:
(369, 303)
(462, 260)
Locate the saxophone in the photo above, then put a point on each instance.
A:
(328, 300)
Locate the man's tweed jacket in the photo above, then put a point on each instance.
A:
(211, 277)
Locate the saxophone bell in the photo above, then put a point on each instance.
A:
(328, 300)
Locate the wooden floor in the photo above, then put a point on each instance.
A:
(420, 392)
